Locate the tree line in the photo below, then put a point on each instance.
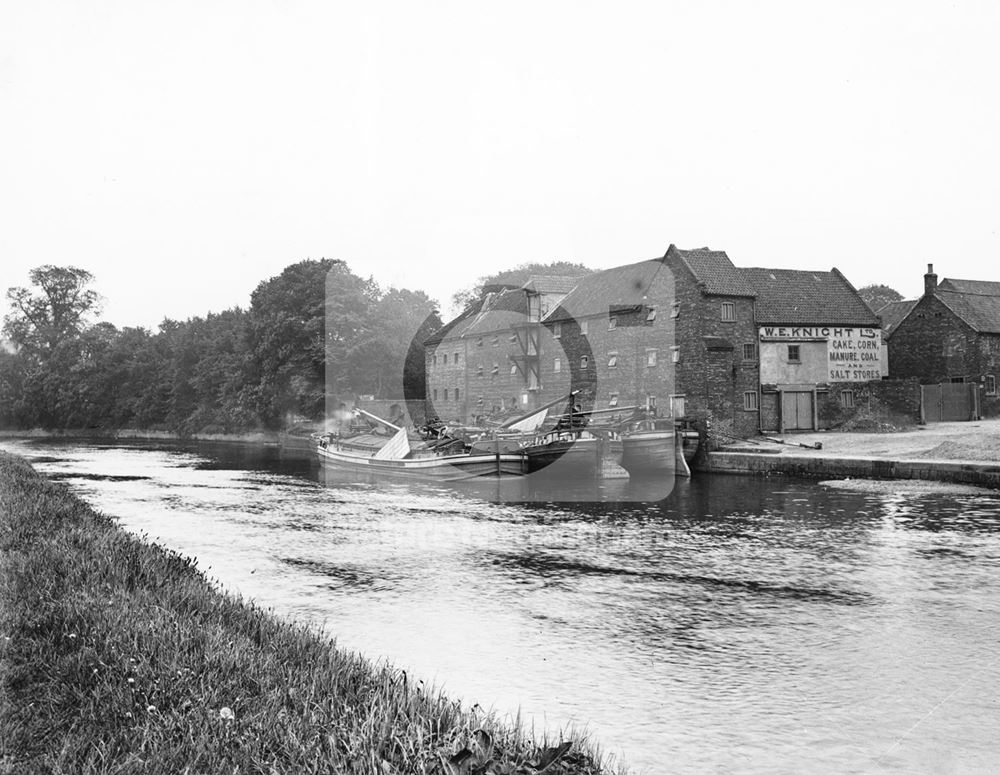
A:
(243, 369)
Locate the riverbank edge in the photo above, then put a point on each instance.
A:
(854, 467)
(119, 655)
(265, 438)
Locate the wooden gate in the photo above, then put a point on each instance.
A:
(796, 411)
(949, 402)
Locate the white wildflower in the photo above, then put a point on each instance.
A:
(227, 714)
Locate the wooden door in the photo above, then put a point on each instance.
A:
(796, 411)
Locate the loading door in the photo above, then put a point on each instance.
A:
(796, 411)
(949, 402)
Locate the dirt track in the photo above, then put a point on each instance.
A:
(973, 441)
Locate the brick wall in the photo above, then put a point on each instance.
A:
(934, 345)
(894, 402)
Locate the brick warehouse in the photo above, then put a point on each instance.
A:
(681, 332)
(951, 335)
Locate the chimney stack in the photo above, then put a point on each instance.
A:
(930, 281)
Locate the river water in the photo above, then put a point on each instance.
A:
(741, 625)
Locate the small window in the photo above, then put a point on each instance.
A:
(513, 369)
(750, 401)
(496, 369)
(991, 385)
(650, 358)
(557, 364)
(728, 311)
(556, 330)
(750, 352)
(435, 361)
(456, 394)
(957, 380)
(584, 361)
(675, 354)
(456, 358)
(613, 400)
(612, 323)
(435, 394)
(675, 309)
(612, 360)
(446, 394)
(794, 356)
(651, 314)
(583, 327)
(445, 359)
(847, 399)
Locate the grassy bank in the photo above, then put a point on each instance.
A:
(118, 656)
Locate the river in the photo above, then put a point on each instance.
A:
(740, 625)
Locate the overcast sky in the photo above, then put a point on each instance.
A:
(183, 152)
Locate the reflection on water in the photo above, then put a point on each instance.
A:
(740, 625)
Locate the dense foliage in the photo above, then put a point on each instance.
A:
(877, 296)
(517, 277)
(227, 372)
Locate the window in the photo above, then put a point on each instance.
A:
(584, 361)
(613, 400)
(651, 314)
(650, 358)
(446, 394)
(675, 354)
(728, 311)
(847, 399)
(557, 364)
(583, 327)
(677, 406)
(794, 354)
(456, 394)
(446, 359)
(957, 380)
(495, 370)
(556, 330)
(750, 401)
(435, 361)
(612, 360)
(455, 358)
(675, 309)
(435, 394)
(513, 369)
(991, 385)
(612, 323)
(750, 352)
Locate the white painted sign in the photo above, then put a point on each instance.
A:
(853, 354)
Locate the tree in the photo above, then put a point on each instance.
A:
(877, 296)
(517, 276)
(54, 310)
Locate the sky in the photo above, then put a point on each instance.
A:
(183, 152)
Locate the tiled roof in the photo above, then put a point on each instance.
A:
(982, 287)
(979, 310)
(456, 326)
(796, 297)
(550, 283)
(892, 314)
(596, 293)
(714, 271)
(500, 311)
(490, 312)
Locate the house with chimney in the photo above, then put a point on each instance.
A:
(951, 337)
